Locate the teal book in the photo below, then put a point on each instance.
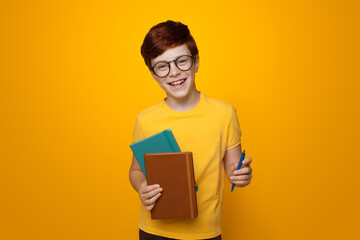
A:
(161, 142)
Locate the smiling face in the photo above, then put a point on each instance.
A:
(178, 84)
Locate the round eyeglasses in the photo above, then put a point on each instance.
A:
(162, 69)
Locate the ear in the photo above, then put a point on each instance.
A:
(196, 63)
(152, 74)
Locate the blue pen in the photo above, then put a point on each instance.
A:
(239, 166)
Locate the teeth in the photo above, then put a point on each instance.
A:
(177, 83)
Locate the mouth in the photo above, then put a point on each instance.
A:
(178, 83)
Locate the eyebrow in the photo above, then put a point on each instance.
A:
(170, 60)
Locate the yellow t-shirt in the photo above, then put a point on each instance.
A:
(207, 130)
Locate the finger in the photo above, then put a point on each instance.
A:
(152, 200)
(246, 161)
(150, 207)
(244, 170)
(240, 178)
(148, 188)
(242, 183)
(152, 193)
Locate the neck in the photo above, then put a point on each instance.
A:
(184, 104)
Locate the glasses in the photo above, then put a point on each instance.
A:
(184, 63)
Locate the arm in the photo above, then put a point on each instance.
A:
(241, 177)
(147, 194)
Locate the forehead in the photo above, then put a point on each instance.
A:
(171, 54)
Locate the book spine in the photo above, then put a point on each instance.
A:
(191, 187)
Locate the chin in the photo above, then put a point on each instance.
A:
(179, 95)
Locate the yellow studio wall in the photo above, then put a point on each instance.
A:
(72, 81)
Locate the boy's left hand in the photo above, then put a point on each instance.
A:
(242, 177)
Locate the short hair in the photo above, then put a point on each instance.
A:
(164, 36)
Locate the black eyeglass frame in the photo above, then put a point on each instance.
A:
(175, 60)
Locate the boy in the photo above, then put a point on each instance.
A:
(204, 126)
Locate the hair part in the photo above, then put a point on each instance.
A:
(164, 36)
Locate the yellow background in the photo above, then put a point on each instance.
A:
(72, 81)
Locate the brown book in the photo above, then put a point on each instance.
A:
(174, 172)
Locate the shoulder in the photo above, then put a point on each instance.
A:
(219, 105)
(150, 112)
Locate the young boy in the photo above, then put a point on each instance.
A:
(204, 126)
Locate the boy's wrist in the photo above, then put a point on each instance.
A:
(141, 184)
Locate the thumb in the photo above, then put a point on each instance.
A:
(247, 161)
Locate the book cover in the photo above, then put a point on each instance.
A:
(174, 172)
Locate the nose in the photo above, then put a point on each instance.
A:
(174, 71)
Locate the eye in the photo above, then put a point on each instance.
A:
(161, 66)
(182, 60)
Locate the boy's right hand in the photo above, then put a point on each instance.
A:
(149, 195)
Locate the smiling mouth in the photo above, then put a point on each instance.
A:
(176, 83)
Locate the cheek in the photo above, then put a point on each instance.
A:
(191, 74)
(161, 83)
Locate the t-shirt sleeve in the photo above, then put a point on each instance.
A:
(234, 132)
(138, 131)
